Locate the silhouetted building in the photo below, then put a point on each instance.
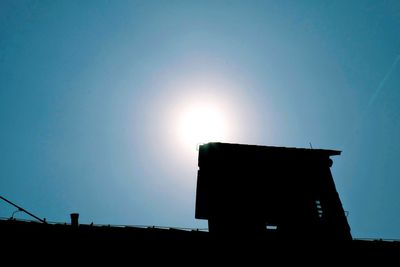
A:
(264, 205)
(274, 192)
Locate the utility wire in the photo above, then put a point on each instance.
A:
(23, 210)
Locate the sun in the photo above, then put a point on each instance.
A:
(202, 123)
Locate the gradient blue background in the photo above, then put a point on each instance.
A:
(84, 86)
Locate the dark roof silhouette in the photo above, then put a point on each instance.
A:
(261, 202)
(53, 243)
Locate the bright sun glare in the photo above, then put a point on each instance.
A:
(202, 124)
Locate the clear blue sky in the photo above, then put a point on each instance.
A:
(90, 93)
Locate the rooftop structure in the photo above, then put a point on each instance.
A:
(279, 192)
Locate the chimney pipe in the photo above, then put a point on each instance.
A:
(74, 219)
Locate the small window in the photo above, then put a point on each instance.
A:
(318, 206)
(271, 227)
